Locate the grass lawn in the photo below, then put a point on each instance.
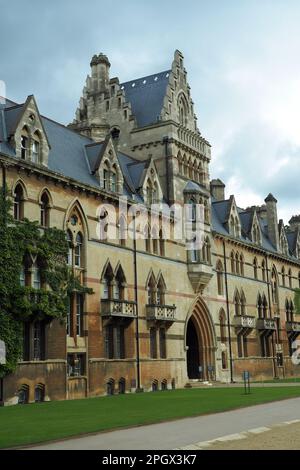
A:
(282, 381)
(26, 424)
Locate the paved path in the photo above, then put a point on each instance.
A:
(180, 433)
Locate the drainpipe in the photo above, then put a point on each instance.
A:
(228, 314)
(166, 141)
(137, 341)
(270, 313)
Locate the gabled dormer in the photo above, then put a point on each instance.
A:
(283, 243)
(232, 222)
(104, 163)
(150, 185)
(255, 231)
(26, 133)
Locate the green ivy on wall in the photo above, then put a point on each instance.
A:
(20, 241)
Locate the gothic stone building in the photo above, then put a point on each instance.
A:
(159, 316)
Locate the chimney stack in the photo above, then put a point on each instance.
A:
(217, 189)
(271, 204)
(100, 66)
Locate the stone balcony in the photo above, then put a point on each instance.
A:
(161, 312)
(292, 326)
(118, 308)
(244, 321)
(267, 324)
(199, 274)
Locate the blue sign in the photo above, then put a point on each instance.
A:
(200, 368)
(246, 375)
(210, 368)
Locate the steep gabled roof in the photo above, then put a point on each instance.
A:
(146, 96)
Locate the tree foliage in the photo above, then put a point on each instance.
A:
(26, 241)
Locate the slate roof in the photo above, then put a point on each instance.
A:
(219, 213)
(146, 96)
(71, 154)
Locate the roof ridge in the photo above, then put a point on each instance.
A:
(146, 77)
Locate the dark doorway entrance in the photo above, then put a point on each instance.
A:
(193, 353)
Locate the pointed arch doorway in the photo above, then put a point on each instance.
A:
(200, 343)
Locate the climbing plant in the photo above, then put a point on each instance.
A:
(297, 300)
(26, 240)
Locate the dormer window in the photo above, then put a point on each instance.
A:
(113, 185)
(24, 145)
(105, 178)
(35, 150)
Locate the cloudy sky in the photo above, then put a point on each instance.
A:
(242, 58)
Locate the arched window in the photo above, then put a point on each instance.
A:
(70, 247)
(192, 210)
(18, 202)
(179, 163)
(154, 386)
(78, 258)
(274, 285)
(243, 303)
(35, 148)
(155, 236)
(106, 176)
(22, 277)
(151, 291)
(241, 265)
(39, 393)
(287, 311)
(263, 270)
(35, 276)
(160, 293)
(237, 304)
(107, 282)
(155, 198)
(265, 306)
(237, 263)
(148, 238)
(255, 268)
(122, 230)
(38, 341)
(122, 386)
(110, 387)
(149, 192)
(206, 258)
(113, 179)
(259, 306)
(161, 243)
(24, 143)
(23, 394)
(220, 278)
(290, 279)
(45, 210)
(119, 285)
(222, 319)
(283, 276)
(232, 262)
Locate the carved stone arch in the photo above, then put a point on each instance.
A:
(19, 181)
(160, 279)
(150, 277)
(42, 191)
(199, 327)
(107, 269)
(119, 272)
(76, 205)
